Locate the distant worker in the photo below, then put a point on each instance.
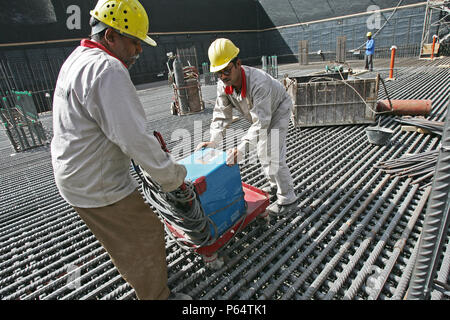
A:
(370, 50)
(264, 102)
(98, 125)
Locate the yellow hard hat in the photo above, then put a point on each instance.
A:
(220, 53)
(369, 34)
(126, 16)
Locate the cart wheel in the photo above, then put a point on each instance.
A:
(213, 261)
(173, 109)
(263, 219)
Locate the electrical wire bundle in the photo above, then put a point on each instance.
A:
(181, 209)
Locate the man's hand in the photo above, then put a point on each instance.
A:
(208, 144)
(233, 156)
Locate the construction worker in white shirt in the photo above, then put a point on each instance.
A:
(264, 102)
(99, 125)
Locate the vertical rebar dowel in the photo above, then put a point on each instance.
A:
(275, 59)
(435, 225)
(20, 138)
(7, 126)
(25, 117)
(264, 63)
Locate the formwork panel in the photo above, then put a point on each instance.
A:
(330, 102)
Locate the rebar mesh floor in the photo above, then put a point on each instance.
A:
(354, 234)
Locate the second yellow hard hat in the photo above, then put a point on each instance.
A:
(220, 53)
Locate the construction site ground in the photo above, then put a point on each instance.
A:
(354, 234)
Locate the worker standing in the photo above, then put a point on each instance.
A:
(370, 50)
(99, 125)
(265, 103)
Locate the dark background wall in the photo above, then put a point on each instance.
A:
(42, 33)
(47, 20)
(285, 12)
(44, 20)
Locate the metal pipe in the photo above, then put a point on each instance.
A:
(405, 107)
(391, 66)
(435, 37)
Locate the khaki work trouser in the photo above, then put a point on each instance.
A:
(133, 236)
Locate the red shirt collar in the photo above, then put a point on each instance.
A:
(229, 89)
(92, 44)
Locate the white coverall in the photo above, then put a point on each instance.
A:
(265, 103)
(99, 124)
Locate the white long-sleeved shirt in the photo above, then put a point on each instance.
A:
(260, 99)
(98, 125)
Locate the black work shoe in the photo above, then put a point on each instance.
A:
(276, 209)
(178, 296)
(270, 190)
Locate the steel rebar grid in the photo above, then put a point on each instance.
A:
(436, 224)
(38, 268)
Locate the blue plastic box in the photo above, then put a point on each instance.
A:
(219, 187)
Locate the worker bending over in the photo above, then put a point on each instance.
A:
(264, 102)
(98, 125)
